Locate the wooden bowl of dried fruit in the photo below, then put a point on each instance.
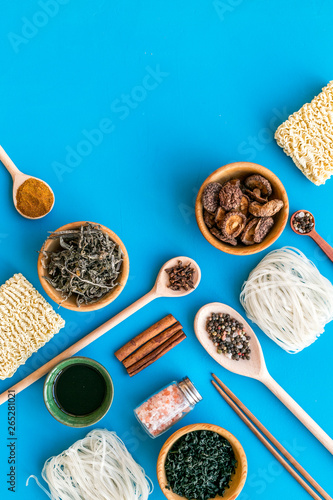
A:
(185, 464)
(83, 266)
(242, 208)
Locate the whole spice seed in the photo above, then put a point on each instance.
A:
(34, 198)
(303, 222)
(87, 265)
(181, 276)
(229, 336)
(200, 465)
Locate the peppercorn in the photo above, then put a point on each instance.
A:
(303, 222)
(231, 339)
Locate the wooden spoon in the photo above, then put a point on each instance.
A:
(255, 367)
(160, 289)
(18, 179)
(314, 235)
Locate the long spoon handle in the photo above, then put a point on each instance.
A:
(80, 344)
(260, 431)
(322, 244)
(8, 163)
(299, 413)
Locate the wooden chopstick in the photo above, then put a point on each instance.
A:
(251, 421)
(270, 436)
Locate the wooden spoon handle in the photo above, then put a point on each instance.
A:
(299, 413)
(80, 344)
(322, 244)
(8, 163)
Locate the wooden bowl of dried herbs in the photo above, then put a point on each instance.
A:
(202, 461)
(83, 266)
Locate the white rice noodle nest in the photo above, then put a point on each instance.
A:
(288, 298)
(98, 467)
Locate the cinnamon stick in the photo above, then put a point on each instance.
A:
(156, 351)
(151, 345)
(156, 354)
(143, 337)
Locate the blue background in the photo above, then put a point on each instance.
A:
(230, 73)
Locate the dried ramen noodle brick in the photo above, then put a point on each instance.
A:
(307, 137)
(27, 322)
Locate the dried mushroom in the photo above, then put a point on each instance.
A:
(209, 219)
(210, 196)
(235, 182)
(233, 224)
(219, 216)
(247, 236)
(256, 195)
(263, 227)
(230, 196)
(239, 211)
(223, 238)
(270, 208)
(259, 182)
(244, 204)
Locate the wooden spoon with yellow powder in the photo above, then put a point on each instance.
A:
(32, 197)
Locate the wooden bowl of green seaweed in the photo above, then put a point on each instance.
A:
(83, 266)
(176, 464)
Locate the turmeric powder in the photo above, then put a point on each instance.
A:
(34, 198)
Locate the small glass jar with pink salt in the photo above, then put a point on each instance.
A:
(167, 406)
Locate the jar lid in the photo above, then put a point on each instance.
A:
(189, 391)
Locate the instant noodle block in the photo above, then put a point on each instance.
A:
(27, 322)
(307, 137)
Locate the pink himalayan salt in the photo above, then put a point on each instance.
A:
(163, 409)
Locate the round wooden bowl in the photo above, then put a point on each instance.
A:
(53, 245)
(238, 479)
(241, 170)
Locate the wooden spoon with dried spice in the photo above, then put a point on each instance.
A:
(32, 197)
(160, 289)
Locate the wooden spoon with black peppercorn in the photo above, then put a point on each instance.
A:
(303, 223)
(255, 367)
(36, 207)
